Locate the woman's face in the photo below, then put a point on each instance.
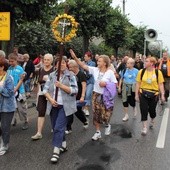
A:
(47, 61)
(148, 63)
(129, 64)
(86, 58)
(1, 68)
(101, 63)
(63, 65)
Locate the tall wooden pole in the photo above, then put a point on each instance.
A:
(61, 55)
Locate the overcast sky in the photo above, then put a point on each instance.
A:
(154, 14)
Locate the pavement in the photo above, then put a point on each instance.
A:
(123, 149)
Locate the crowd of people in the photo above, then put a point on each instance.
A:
(81, 88)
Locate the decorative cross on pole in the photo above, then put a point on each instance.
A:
(64, 21)
(64, 24)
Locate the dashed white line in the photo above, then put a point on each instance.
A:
(162, 132)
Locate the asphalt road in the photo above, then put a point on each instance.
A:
(124, 149)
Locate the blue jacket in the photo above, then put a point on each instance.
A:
(109, 94)
(69, 100)
(7, 97)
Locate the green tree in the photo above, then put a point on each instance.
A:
(135, 39)
(92, 16)
(23, 11)
(115, 34)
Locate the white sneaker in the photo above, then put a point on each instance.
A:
(126, 118)
(68, 132)
(96, 136)
(3, 150)
(36, 136)
(151, 124)
(144, 131)
(86, 112)
(108, 129)
(86, 125)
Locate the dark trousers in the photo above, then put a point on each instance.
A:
(58, 122)
(130, 100)
(148, 105)
(79, 114)
(6, 119)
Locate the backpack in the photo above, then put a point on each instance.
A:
(143, 71)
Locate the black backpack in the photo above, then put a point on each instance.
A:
(143, 71)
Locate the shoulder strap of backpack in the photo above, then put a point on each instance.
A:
(142, 73)
(124, 70)
(156, 72)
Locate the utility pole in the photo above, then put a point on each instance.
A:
(123, 7)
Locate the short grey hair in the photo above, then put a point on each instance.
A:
(131, 60)
(73, 62)
(50, 56)
(2, 54)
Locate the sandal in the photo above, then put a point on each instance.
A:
(55, 158)
(63, 149)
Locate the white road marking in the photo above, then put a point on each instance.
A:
(162, 132)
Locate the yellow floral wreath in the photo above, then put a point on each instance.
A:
(72, 33)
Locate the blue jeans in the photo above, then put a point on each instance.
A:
(27, 85)
(58, 122)
(89, 91)
(6, 119)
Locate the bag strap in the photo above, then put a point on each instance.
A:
(143, 71)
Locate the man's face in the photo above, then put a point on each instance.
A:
(15, 50)
(12, 62)
(165, 55)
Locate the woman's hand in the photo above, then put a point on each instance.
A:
(163, 98)
(58, 84)
(119, 89)
(73, 55)
(53, 102)
(81, 99)
(102, 84)
(137, 97)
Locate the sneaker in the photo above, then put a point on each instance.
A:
(25, 126)
(144, 131)
(96, 136)
(86, 125)
(126, 118)
(3, 150)
(68, 132)
(107, 129)
(36, 136)
(151, 124)
(86, 112)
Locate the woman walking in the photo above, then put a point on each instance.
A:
(7, 105)
(63, 106)
(102, 76)
(149, 84)
(42, 101)
(127, 87)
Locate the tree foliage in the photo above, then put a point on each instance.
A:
(92, 16)
(115, 34)
(135, 38)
